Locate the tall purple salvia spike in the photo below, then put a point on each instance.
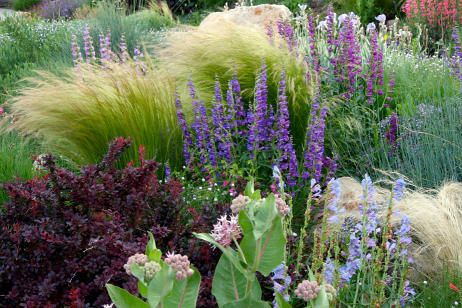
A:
(287, 160)
(110, 55)
(319, 138)
(89, 49)
(310, 146)
(457, 57)
(240, 114)
(207, 134)
(313, 48)
(197, 125)
(392, 134)
(331, 42)
(221, 134)
(373, 67)
(124, 56)
(103, 50)
(252, 145)
(353, 52)
(261, 109)
(187, 139)
(76, 54)
(391, 88)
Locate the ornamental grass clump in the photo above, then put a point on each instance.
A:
(76, 116)
(203, 54)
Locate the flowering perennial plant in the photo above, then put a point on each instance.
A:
(371, 258)
(232, 136)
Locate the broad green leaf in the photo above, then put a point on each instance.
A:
(245, 223)
(137, 271)
(247, 303)
(152, 252)
(227, 251)
(272, 248)
(124, 299)
(249, 188)
(184, 293)
(143, 289)
(160, 285)
(229, 284)
(281, 301)
(321, 301)
(264, 217)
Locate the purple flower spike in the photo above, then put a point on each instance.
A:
(314, 152)
(392, 134)
(76, 54)
(287, 160)
(187, 139)
(124, 56)
(221, 133)
(88, 45)
(261, 109)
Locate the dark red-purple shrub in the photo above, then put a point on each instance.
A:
(65, 235)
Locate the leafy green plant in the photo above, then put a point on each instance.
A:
(15, 160)
(261, 249)
(163, 283)
(21, 5)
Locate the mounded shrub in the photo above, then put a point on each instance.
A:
(65, 235)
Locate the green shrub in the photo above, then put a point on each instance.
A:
(21, 5)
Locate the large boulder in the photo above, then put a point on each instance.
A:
(254, 16)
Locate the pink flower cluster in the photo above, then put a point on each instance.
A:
(138, 258)
(239, 203)
(307, 290)
(225, 230)
(282, 206)
(180, 264)
(442, 13)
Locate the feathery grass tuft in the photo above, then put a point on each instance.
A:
(77, 116)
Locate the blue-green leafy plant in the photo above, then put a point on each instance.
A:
(261, 224)
(162, 283)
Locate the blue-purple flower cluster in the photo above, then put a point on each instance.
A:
(233, 132)
(368, 245)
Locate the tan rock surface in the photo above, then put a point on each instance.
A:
(254, 16)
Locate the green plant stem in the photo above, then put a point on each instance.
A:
(239, 249)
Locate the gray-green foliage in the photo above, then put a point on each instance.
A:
(430, 145)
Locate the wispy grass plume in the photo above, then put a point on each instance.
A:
(77, 116)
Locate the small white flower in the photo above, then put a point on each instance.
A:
(200, 187)
(341, 18)
(322, 25)
(203, 180)
(425, 282)
(302, 7)
(456, 303)
(381, 18)
(370, 27)
(210, 189)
